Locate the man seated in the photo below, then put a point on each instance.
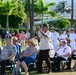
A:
(7, 55)
(62, 53)
(18, 48)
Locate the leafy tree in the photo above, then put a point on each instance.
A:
(61, 7)
(63, 23)
(11, 7)
(41, 8)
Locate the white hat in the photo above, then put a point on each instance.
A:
(63, 41)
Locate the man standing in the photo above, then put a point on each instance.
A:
(62, 36)
(72, 38)
(44, 48)
(55, 38)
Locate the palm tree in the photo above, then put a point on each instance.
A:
(61, 7)
(41, 8)
(6, 8)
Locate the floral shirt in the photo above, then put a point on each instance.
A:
(8, 51)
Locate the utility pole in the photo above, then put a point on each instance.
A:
(72, 12)
(31, 15)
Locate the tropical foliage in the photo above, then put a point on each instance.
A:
(61, 7)
(63, 23)
(12, 8)
(41, 8)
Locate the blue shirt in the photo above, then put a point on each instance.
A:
(33, 56)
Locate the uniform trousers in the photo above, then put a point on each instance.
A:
(73, 56)
(69, 63)
(57, 61)
(43, 55)
(55, 44)
(72, 45)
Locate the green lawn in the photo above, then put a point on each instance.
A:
(60, 73)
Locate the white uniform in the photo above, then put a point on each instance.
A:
(62, 37)
(45, 41)
(72, 38)
(55, 37)
(51, 52)
(63, 51)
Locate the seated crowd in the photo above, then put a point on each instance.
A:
(45, 49)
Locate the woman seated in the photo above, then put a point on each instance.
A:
(27, 56)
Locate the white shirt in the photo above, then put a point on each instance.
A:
(62, 36)
(39, 34)
(27, 35)
(74, 49)
(72, 37)
(63, 51)
(54, 36)
(45, 41)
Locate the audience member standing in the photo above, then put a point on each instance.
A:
(3, 34)
(39, 33)
(44, 48)
(8, 34)
(22, 38)
(27, 35)
(18, 36)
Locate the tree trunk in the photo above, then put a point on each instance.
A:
(31, 15)
(42, 19)
(72, 12)
(7, 23)
(29, 11)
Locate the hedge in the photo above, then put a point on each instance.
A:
(14, 21)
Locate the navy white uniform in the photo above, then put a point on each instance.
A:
(72, 38)
(62, 37)
(55, 37)
(61, 52)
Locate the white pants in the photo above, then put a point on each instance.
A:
(72, 44)
(55, 44)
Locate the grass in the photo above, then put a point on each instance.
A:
(60, 73)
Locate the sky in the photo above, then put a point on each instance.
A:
(68, 4)
(57, 1)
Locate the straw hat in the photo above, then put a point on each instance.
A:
(32, 41)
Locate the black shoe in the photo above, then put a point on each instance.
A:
(67, 68)
(57, 71)
(39, 72)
